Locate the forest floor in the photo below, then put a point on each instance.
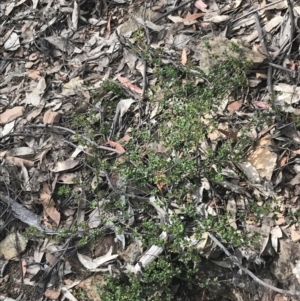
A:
(149, 150)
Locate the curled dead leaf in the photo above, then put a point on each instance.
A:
(116, 145)
(127, 83)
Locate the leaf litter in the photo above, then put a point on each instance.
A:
(50, 69)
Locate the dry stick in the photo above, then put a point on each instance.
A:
(260, 35)
(281, 68)
(74, 133)
(249, 273)
(77, 146)
(266, 53)
(145, 80)
(174, 9)
(292, 32)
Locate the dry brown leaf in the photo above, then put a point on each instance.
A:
(24, 266)
(280, 219)
(34, 74)
(12, 245)
(69, 282)
(116, 145)
(283, 161)
(192, 19)
(48, 204)
(28, 65)
(126, 82)
(234, 106)
(20, 52)
(280, 297)
(296, 151)
(156, 7)
(67, 178)
(52, 294)
(34, 113)
(51, 117)
(295, 236)
(11, 114)
(183, 57)
(175, 19)
(19, 161)
(125, 139)
(229, 134)
(90, 285)
(35, 96)
(201, 5)
(263, 159)
(261, 104)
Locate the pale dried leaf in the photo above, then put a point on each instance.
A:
(295, 235)
(34, 74)
(183, 57)
(218, 19)
(234, 106)
(34, 98)
(231, 208)
(48, 203)
(13, 42)
(280, 297)
(22, 151)
(127, 83)
(65, 165)
(277, 232)
(201, 5)
(72, 87)
(11, 114)
(250, 171)
(92, 264)
(94, 218)
(61, 43)
(51, 117)
(19, 161)
(24, 266)
(11, 244)
(261, 104)
(263, 159)
(117, 146)
(123, 106)
(68, 178)
(52, 294)
(91, 284)
(175, 19)
(67, 294)
(75, 15)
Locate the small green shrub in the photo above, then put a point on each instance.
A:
(181, 126)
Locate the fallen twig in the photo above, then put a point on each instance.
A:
(292, 32)
(46, 126)
(260, 35)
(236, 262)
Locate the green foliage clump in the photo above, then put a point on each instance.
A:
(181, 127)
